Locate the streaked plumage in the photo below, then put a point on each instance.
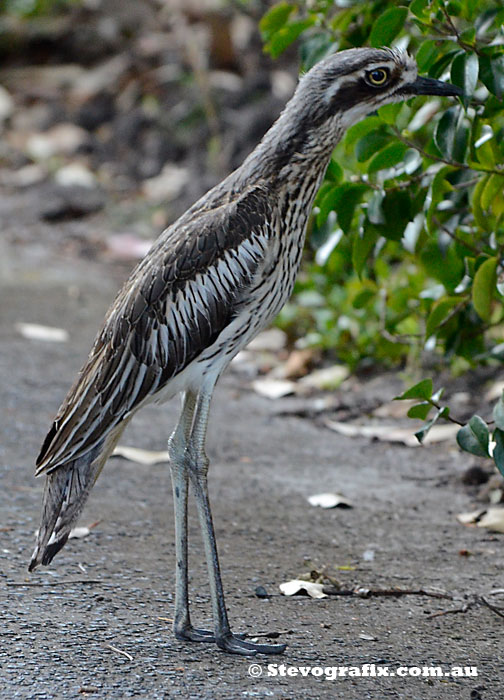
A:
(210, 283)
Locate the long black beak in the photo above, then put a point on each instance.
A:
(430, 86)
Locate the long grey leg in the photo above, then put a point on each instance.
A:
(198, 469)
(177, 446)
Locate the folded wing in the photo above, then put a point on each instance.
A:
(174, 306)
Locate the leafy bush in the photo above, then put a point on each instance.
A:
(407, 234)
(414, 199)
(34, 8)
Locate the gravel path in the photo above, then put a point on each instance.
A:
(96, 623)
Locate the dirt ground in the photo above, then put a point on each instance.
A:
(97, 622)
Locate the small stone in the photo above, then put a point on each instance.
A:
(261, 592)
(474, 476)
(71, 202)
(75, 174)
(168, 184)
(62, 139)
(6, 105)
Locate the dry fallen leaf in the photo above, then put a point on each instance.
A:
(327, 378)
(298, 363)
(494, 391)
(295, 586)
(470, 518)
(329, 500)
(271, 340)
(77, 533)
(391, 433)
(35, 331)
(137, 454)
(490, 518)
(273, 388)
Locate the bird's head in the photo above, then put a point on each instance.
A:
(351, 84)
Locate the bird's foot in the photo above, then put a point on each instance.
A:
(235, 644)
(193, 634)
(232, 643)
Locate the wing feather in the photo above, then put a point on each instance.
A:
(174, 306)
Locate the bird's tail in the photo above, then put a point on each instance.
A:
(66, 490)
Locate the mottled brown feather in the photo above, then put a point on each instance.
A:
(130, 341)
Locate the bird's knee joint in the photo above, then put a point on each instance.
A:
(198, 464)
(176, 449)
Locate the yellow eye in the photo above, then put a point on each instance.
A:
(378, 76)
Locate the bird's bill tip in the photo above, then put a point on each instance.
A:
(431, 86)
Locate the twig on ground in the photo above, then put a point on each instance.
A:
(493, 608)
(119, 651)
(49, 584)
(361, 592)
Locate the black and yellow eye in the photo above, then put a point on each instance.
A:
(378, 76)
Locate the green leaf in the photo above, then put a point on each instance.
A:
(422, 433)
(483, 288)
(396, 208)
(421, 410)
(418, 7)
(443, 264)
(284, 37)
(439, 313)
(426, 54)
(477, 209)
(498, 412)
(374, 208)
(493, 188)
(334, 171)
(363, 244)
(364, 296)
(387, 26)
(439, 187)
(370, 144)
(491, 70)
(357, 131)
(464, 73)
(451, 135)
(389, 113)
(437, 68)
(328, 202)
(422, 390)
(498, 452)
(315, 48)
(474, 437)
(349, 196)
(275, 19)
(389, 156)
(342, 199)
(444, 136)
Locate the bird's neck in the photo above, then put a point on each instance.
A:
(289, 164)
(290, 151)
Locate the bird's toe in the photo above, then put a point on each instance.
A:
(193, 634)
(235, 644)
